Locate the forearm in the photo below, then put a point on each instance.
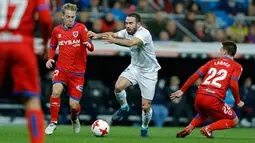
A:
(100, 35)
(123, 42)
(190, 81)
(51, 53)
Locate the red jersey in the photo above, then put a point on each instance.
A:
(219, 74)
(72, 52)
(17, 20)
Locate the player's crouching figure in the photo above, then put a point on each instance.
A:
(71, 37)
(219, 74)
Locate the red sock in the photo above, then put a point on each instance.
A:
(54, 108)
(198, 120)
(75, 113)
(35, 125)
(221, 125)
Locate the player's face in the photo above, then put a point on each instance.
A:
(69, 18)
(131, 25)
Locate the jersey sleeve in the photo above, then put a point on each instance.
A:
(237, 73)
(43, 9)
(42, 5)
(53, 45)
(121, 33)
(85, 38)
(234, 83)
(53, 40)
(204, 69)
(143, 35)
(84, 32)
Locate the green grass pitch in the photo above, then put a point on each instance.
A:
(64, 134)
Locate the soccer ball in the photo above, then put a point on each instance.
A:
(100, 128)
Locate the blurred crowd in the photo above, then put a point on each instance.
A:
(174, 20)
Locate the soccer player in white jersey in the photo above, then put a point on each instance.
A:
(143, 69)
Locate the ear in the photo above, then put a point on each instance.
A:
(139, 24)
(225, 52)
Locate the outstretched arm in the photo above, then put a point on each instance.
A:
(190, 81)
(122, 42)
(199, 73)
(94, 35)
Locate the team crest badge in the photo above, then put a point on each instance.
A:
(79, 87)
(75, 33)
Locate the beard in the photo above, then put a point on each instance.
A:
(131, 31)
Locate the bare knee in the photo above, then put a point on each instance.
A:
(121, 84)
(118, 87)
(146, 106)
(57, 90)
(32, 103)
(73, 105)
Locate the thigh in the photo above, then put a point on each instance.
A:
(130, 74)
(147, 85)
(75, 86)
(222, 110)
(60, 76)
(4, 60)
(24, 71)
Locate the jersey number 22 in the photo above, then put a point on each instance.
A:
(216, 76)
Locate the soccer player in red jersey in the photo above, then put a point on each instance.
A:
(17, 55)
(71, 37)
(219, 74)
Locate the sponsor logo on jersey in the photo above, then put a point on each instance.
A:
(79, 87)
(75, 43)
(75, 34)
(59, 35)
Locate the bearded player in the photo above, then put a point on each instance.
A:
(143, 69)
(17, 56)
(219, 74)
(71, 37)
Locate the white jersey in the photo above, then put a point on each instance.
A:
(143, 56)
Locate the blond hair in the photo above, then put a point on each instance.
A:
(69, 6)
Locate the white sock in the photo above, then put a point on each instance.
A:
(146, 118)
(122, 98)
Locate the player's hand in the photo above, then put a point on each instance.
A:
(240, 104)
(92, 35)
(176, 95)
(108, 39)
(87, 44)
(49, 63)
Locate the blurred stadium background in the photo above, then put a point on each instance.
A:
(187, 33)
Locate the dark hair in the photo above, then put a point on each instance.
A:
(136, 16)
(230, 47)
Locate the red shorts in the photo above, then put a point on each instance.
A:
(20, 60)
(72, 81)
(211, 106)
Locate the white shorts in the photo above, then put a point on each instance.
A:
(146, 80)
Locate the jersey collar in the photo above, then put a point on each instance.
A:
(226, 57)
(69, 28)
